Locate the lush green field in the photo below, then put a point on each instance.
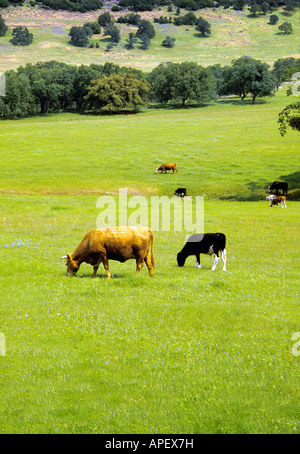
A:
(229, 149)
(233, 34)
(189, 351)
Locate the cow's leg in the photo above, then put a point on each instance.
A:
(223, 255)
(95, 270)
(139, 266)
(106, 267)
(148, 262)
(197, 264)
(217, 258)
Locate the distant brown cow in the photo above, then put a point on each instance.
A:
(280, 199)
(164, 167)
(118, 243)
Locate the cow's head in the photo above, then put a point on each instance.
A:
(72, 265)
(269, 188)
(156, 171)
(180, 259)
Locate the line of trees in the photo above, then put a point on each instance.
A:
(53, 86)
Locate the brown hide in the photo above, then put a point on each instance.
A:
(165, 167)
(118, 243)
(279, 199)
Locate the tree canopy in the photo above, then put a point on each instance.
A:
(116, 93)
(181, 82)
(21, 36)
(3, 27)
(247, 76)
(289, 117)
(79, 36)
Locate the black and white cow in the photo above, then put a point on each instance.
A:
(279, 185)
(207, 243)
(181, 192)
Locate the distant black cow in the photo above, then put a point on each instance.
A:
(181, 192)
(207, 243)
(279, 185)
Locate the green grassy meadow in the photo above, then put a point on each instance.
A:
(229, 149)
(189, 351)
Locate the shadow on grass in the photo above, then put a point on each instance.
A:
(200, 35)
(240, 102)
(100, 275)
(259, 190)
(293, 180)
(173, 106)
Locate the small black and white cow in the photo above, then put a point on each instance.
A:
(207, 243)
(181, 192)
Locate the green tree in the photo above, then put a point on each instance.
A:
(254, 9)
(265, 7)
(94, 26)
(187, 19)
(247, 76)
(168, 42)
(88, 30)
(112, 31)
(130, 41)
(286, 28)
(19, 100)
(79, 36)
(116, 93)
(145, 28)
(289, 117)
(51, 84)
(181, 82)
(203, 27)
(145, 41)
(3, 26)
(105, 18)
(21, 36)
(83, 78)
(273, 19)
(239, 5)
(284, 68)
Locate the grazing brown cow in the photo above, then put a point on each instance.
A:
(276, 200)
(118, 243)
(164, 167)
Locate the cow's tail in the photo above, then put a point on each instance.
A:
(151, 245)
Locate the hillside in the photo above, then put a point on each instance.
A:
(233, 34)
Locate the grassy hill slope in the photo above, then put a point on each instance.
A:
(233, 34)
